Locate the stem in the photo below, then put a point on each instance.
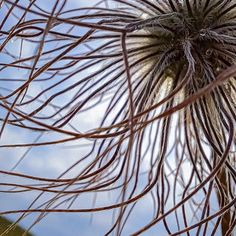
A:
(226, 218)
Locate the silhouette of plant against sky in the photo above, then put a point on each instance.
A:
(154, 81)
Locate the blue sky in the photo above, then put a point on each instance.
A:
(51, 161)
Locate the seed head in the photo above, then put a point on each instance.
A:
(159, 74)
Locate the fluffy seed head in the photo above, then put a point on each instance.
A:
(159, 75)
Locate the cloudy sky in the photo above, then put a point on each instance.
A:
(50, 162)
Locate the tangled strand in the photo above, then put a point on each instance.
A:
(159, 76)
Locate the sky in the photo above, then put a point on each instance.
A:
(51, 161)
